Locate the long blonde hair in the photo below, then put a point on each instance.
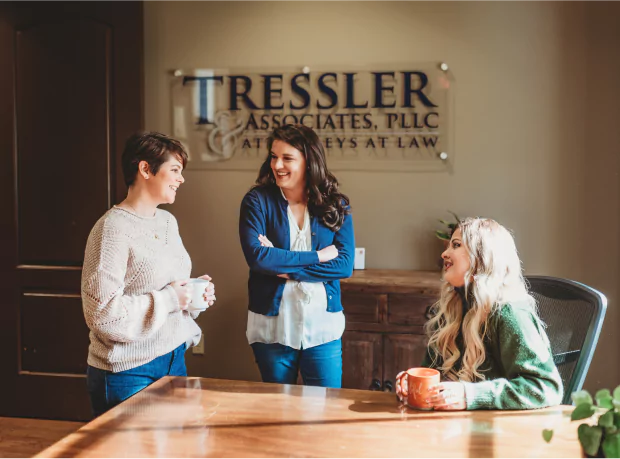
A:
(494, 279)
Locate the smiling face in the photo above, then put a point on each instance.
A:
(288, 165)
(456, 261)
(163, 186)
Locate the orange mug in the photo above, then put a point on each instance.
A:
(419, 381)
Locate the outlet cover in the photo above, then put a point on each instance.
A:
(200, 348)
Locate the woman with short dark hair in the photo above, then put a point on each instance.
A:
(134, 291)
(297, 236)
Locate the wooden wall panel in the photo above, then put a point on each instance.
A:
(63, 91)
(54, 336)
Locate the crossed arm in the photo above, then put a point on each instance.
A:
(339, 264)
(332, 262)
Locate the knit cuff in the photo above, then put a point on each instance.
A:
(477, 396)
(171, 299)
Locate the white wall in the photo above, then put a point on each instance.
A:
(535, 138)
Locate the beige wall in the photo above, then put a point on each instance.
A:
(535, 138)
(599, 220)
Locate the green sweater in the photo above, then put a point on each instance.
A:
(519, 369)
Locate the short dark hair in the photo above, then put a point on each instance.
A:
(154, 148)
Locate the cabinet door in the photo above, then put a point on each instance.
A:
(401, 352)
(361, 360)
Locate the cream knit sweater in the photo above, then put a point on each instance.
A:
(132, 312)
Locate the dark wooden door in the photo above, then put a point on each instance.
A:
(401, 352)
(70, 94)
(362, 360)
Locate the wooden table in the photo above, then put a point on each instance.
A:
(25, 437)
(195, 417)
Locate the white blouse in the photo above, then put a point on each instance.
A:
(303, 321)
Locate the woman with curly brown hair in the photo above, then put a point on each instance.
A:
(297, 236)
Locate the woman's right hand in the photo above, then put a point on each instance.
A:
(184, 293)
(401, 385)
(328, 253)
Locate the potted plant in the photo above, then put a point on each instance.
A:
(603, 438)
(446, 234)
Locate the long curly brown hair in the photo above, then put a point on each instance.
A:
(324, 199)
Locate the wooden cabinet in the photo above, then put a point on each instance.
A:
(362, 359)
(385, 312)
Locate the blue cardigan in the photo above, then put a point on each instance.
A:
(264, 211)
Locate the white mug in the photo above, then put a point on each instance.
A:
(199, 287)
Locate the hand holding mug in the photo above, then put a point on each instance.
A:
(203, 293)
(449, 395)
(401, 386)
(412, 387)
(209, 295)
(184, 293)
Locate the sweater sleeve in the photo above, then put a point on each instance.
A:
(340, 267)
(108, 311)
(267, 260)
(531, 377)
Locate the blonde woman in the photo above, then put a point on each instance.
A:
(485, 336)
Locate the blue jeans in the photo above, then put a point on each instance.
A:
(319, 366)
(108, 389)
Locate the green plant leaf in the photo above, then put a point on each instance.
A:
(583, 411)
(442, 235)
(602, 393)
(603, 399)
(617, 394)
(455, 216)
(443, 222)
(605, 402)
(611, 445)
(581, 396)
(590, 438)
(547, 434)
(617, 419)
(607, 420)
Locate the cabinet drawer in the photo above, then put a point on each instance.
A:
(361, 307)
(409, 309)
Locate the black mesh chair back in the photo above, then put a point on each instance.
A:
(574, 315)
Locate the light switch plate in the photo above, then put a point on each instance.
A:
(200, 348)
(359, 261)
